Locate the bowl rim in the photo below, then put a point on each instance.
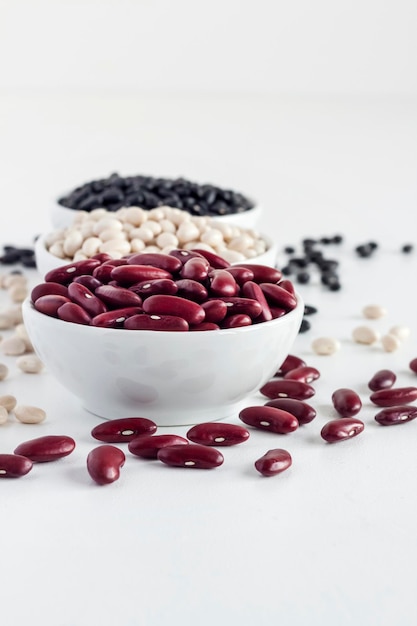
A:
(27, 305)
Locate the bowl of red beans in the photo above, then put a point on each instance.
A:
(180, 338)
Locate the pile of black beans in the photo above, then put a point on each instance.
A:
(14, 255)
(148, 192)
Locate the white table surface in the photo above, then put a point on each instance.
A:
(333, 539)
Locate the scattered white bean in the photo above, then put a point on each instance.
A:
(8, 402)
(4, 370)
(402, 332)
(30, 364)
(18, 293)
(13, 346)
(29, 414)
(390, 343)
(365, 335)
(10, 280)
(325, 345)
(4, 416)
(6, 320)
(374, 311)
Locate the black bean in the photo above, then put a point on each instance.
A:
(305, 326)
(309, 310)
(286, 270)
(407, 248)
(303, 277)
(337, 239)
(289, 250)
(299, 261)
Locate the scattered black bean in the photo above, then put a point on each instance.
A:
(309, 309)
(303, 278)
(305, 326)
(289, 250)
(407, 248)
(286, 270)
(13, 254)
(149, 192)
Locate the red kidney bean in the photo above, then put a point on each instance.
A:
(48, 289)
(193, 456)
(49, 305)
(71, 312)
(218, 434)
(185, 255)
(163, 261)
(301, 410)
(46, 448)
(396, 415)
(304, 373)
(147, 446)
(276, 312)
(147, 288)
(341, 429)
(215, 310)
(269, 418)
(127, 275)
(277, 296)
(222, 284)
(118, 297)
(287, 389)
(88, 281)
(103, 273)
(240, 274)
(216, 261)
(273, 462)
(346, 402)
(263, 273)
(115, 262)
(236, 321)
(252, 290)
(66, 273)
(196, 269)
(190, 311)
(393, 396)
(287, 285)
(247, 306)
(116, 318)
(14, 465)
(383, 379)
(123, 429)
(171, 323)
(292, 362)
(86, 299)
(102, 257)
(205, 326)
(104, 464)
(413, 365)
(191, 290)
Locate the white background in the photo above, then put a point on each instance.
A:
(311, 107)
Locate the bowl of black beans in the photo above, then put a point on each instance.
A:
(149, 192)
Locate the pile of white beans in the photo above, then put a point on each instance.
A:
(132, 229)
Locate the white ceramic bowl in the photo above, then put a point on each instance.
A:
(174, 378)
(61, 217)
(46, 261)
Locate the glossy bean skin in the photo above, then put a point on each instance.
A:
(172, 323)
(269, 418)
(273, 462)
(147, 446)
(215, 310)
(290, 363)
(287, 389)
(145, 288)
(240, 274)
(252, 290)
(222, 284)
(262, 273)
(115, 318)
(304, 374)
(245, 306)
(123, 429)
(50, 304)
(104, 464)
(279, 297)
(49, 289)
(193, 456)
(190, 311)
(86, 299)
(346, 402)
(215, 261)
(393, 415)
(394, 396)
(288, 286)
(341, 429)
(383, 379)
(47, 448)
(236, 321)
(196, 268)
(162, 261)
(184, 255)
(66, 273)
(304, 412)
(88, 281)
(14, 465)
(217, 434)
(204, 326)
(191, 290)
(117, 297)
(74, 313)
(127, 275)
(413, 365)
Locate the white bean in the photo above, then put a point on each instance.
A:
(108, 234)
(374, 311)
(4, 370)
(121, 245)
(18, 293)
(13, 346)
(167, 226)
(29, 414)
(143, 232)
(137, 245)
(212, 236)
(187, 231)
(72, 242)
(4, 416)
(91, 246)
(57, 249)
(106, 223)
(135, 216)
(402, 332)
(8, 402)
(30, 364)
(10, 280)
(154, 226)
(157, 213)
(390, 343)
(167, 239)
(325, 346)
(365, 335)
(6, 321)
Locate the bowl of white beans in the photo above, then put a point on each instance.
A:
(132, 230)
(175, 368)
